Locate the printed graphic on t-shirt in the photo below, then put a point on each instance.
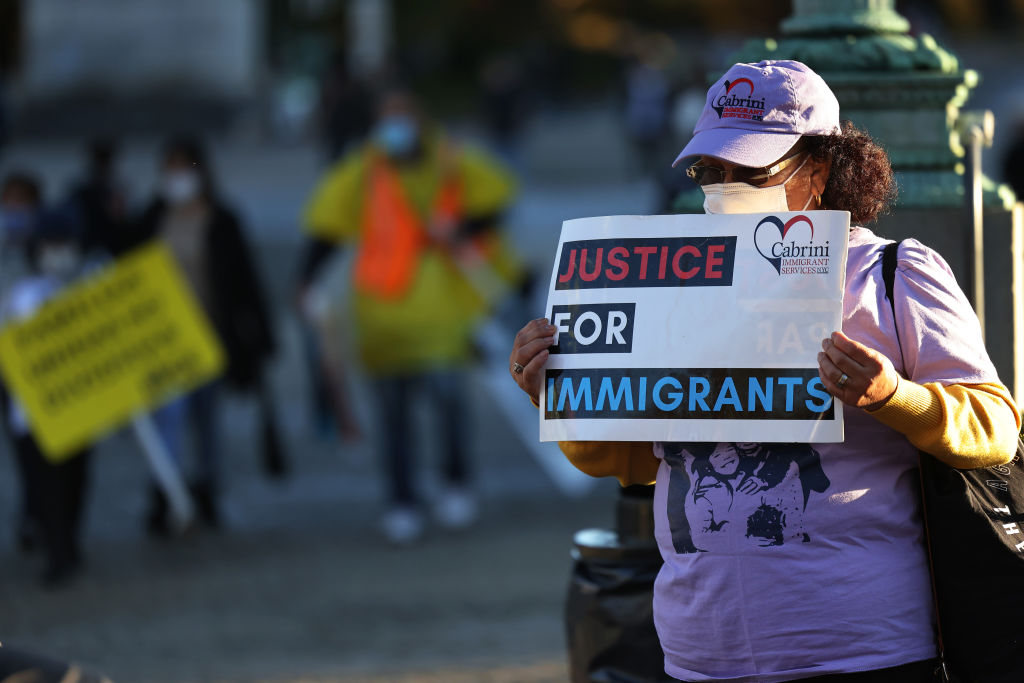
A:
(729, 495)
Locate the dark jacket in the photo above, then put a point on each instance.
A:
(238, 307)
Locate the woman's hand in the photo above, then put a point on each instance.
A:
(529, 351)
(870, 377)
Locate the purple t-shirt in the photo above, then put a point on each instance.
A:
(786, 561)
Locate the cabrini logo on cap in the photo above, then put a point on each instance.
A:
(755, 113)
(732, 105)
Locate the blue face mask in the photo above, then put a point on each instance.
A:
(397, 135)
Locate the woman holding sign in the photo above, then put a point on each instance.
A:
(786, 561)
(209, 245)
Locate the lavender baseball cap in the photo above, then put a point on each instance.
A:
(755, 113)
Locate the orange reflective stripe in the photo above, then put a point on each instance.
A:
(393, 235)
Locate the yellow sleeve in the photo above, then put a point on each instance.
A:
(487, 187)
(334, 210)
(631, 462)
(964, 425)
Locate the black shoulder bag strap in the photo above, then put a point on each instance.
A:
(890, 258)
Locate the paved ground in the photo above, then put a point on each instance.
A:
(300, 587)
(320, 598)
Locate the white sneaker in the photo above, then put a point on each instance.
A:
(402, 525)
(456, 508)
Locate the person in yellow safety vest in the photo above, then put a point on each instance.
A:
(422, 213)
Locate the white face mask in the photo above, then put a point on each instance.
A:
(180, 187)
(61, 262)
(744, 198)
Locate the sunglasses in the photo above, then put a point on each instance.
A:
(711, 175)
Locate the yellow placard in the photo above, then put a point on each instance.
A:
(124, 340)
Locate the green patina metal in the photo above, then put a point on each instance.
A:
(846, 17)
(907, 91)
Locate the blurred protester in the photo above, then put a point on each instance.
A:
(20, 199)
(20, 202)
(504, 89)
(422, 213)
(1013, 162)
(53, 493)
(648, 100)
(100, 198)
(676, 191)
(209, 244)
(346, 114)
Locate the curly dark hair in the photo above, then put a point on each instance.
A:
(861, 179)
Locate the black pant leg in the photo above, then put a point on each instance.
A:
(446, 391)
(30, 470)
(56, 495)
(394, 415)
(28, 508)
(75, 482)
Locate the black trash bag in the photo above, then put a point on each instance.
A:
(610, 622)
(609, 613)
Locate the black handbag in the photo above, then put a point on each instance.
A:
(974, 528)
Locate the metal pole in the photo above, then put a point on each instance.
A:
(166, 473)
(978, 131)
(976, 139)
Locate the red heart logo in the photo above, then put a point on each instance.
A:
(783, 229)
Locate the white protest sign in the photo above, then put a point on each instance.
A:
(694, 328)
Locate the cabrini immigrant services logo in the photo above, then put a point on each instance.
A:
(740, 104)
(797, 256)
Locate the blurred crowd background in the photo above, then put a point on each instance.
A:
(358, 518)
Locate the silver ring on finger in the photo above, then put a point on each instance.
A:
(517, 369)
(843, 379)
